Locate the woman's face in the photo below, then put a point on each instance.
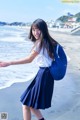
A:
(36, 33)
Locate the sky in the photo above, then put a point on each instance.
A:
(29, 10)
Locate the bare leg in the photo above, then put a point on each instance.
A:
(36, 112)
(26, 113)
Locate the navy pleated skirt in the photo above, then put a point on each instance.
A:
(38, 95)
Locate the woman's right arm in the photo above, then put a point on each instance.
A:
(28, 59)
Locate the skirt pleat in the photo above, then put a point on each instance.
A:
(38, 95)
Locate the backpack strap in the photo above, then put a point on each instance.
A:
(57, 48)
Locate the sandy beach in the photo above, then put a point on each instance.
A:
(66, 94)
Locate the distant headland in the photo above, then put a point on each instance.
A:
(66, 21)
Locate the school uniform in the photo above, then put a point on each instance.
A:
(38, 95)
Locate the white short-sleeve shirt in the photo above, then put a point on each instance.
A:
(43, 59)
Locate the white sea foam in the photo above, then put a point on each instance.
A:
(14, 46)
(12, 39)
(17, 73)
(17, 80)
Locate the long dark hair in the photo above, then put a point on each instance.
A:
(47, 42)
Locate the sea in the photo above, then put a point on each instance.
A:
(14, 45)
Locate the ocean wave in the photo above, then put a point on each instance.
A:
(11, 48)
(8, 83)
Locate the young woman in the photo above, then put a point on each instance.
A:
(38, 95)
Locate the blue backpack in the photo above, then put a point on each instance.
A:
(59, 64)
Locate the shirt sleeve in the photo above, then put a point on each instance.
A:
(37, 47)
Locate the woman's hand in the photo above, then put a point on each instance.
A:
(4, 64)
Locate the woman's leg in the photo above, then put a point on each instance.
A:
(37, 113)
(26, 113)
